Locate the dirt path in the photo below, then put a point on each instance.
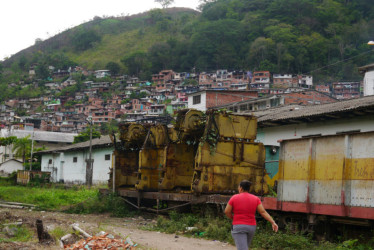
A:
(95, 223)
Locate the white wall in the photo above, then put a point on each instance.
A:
(369, 83)
(11, 166)
(271, 135)
(63, 167)
(200, 106)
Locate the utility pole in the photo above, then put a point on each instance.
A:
(32, 149)
(89, 161)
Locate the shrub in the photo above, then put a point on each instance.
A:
(111, 203)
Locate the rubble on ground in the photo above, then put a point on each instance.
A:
(102, 241)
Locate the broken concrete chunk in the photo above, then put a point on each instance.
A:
(10, 231)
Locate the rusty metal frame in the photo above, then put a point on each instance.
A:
(188, 198)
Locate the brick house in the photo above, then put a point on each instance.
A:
(323, 88)
(160, 79)
(205, 99)
(346, 90)
(307, 97)
(260, 79)
(224, 79)
(284, 80)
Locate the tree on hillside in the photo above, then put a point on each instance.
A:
(113, 67)
(42, 71)
(136, 62)
(85, 39)
(85, 135)
(165, 3)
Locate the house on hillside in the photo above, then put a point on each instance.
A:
(102, 73)
(323, 88)
(346, 90)
(308, 97)
(260, 80)
(68, 164)
(254, 104)
(205, 99)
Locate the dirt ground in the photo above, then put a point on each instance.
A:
(93, 224)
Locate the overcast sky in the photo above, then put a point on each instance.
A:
(23, 21)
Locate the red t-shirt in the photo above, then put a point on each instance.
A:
(244, 206)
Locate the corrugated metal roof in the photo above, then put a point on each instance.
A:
(296, 111)
(40, 135)
(103, 141)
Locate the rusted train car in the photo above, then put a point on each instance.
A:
(328, 176)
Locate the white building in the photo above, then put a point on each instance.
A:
(68, 164)
(10, 166)
(102, 73)
(197, 101)
(50, 140)
(291, 122)
(368, 72)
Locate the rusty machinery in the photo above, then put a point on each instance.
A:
(126, 153)
(228, 154)
(202, 153)
(166, 161)
(180, 156)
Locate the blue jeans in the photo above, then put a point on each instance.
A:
(243, 235)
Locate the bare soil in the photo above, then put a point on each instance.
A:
(93, 224)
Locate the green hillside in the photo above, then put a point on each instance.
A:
(325, 38)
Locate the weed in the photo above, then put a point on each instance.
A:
(22, 234)
(58, 232)
(112, 204)
(10, 180)
(46, 198)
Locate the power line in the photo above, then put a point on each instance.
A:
(366, 52)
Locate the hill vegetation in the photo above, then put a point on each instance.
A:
(325, 38)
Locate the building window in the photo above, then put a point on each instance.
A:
(75, 159)
(196, 99)
(50, 161)
(107, 157)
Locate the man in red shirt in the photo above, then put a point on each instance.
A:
(241, 209)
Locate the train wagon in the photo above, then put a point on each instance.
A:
(328, 176)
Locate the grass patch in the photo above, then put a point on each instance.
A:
(111, 203)
(22, 234)
(58, 232)
(48, 198)
(77, 199)
(208, 227)
(8, 181)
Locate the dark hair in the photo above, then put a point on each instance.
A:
(245, 185)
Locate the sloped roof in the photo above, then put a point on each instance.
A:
(294, 113)
(102, 142)
(41, 135)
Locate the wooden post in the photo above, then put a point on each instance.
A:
(39, 229)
